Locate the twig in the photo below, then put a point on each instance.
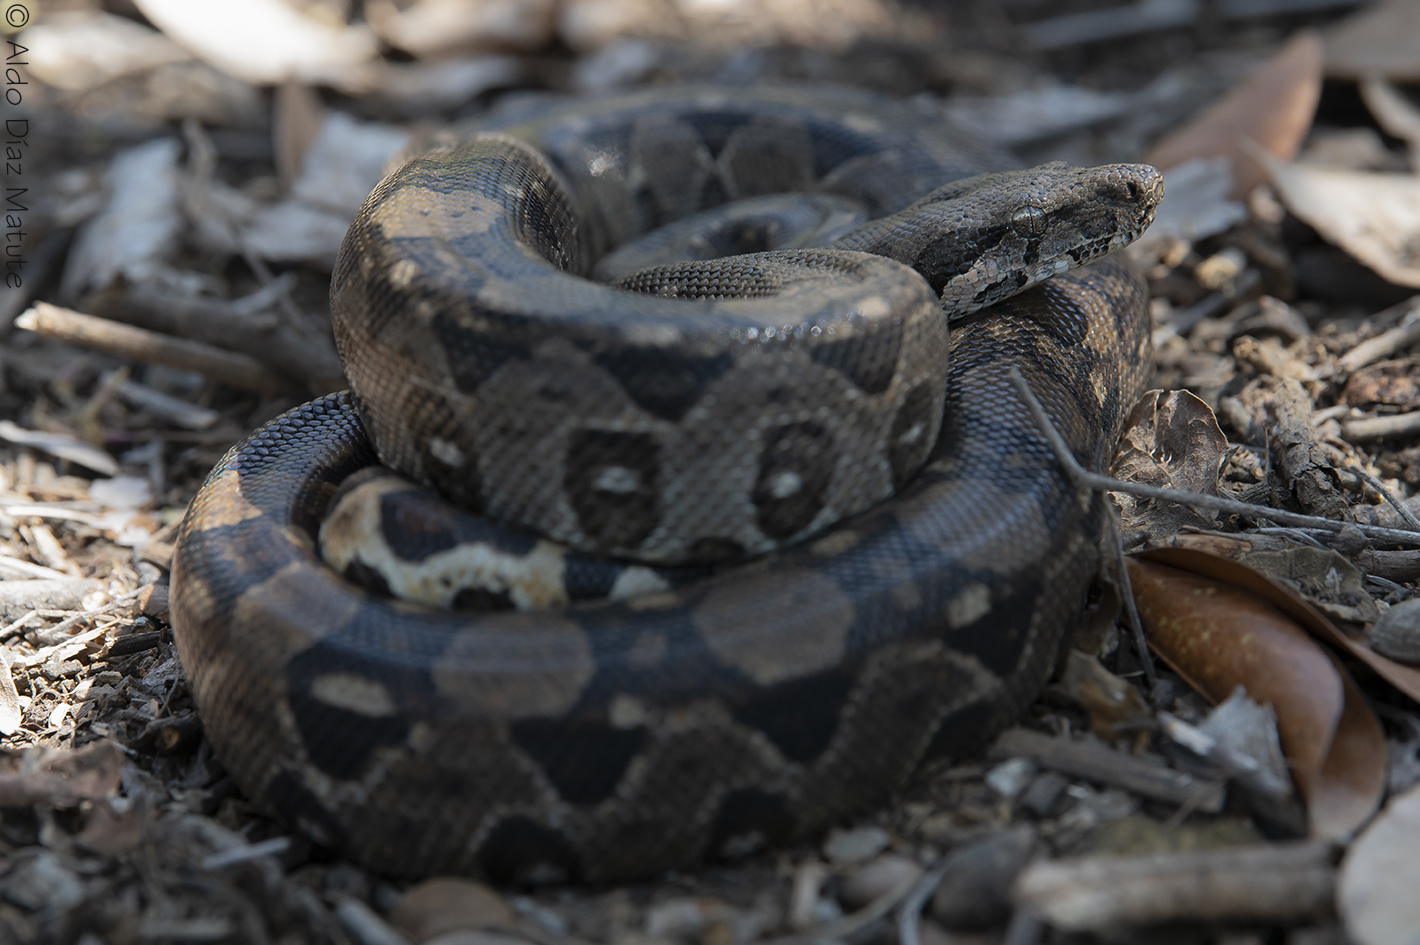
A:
(61, 445)
(1213, 303)
(1131, 610)
(1096, 762)
(51, 638)
(64, 594)
(1023, 929)
(1380, 428)
(1094, 26)
(909, 914)
(168, 407)
(1387, 342)
(841, 929)
(1084, 479)
(231, 857)
(236, 370)
(1400, 507)
(1278, 882)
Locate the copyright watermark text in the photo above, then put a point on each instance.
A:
(16, 138)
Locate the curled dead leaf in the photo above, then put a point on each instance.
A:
(1371, 216)
(1404, 678)
(60, 778)
(1171, 439)
(1219, 633)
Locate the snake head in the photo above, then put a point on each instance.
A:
(983, 239)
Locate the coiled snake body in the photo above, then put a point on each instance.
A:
(612, 737)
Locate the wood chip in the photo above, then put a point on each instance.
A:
(235, 370)
(1095, 762)
(1276, 883)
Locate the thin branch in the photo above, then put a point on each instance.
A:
(840, 929)
(909, 914)
(1131, 609)
(1400, 507)
(1084, 479)
(227, 367)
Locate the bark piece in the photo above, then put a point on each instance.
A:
(1095, 762)
(236, 370)
(1285, 882)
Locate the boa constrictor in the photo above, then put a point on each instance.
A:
(595, 739)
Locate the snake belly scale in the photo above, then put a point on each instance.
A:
(612, 738)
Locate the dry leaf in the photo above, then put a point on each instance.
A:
(1325, 578)
(1394, 383)
(265, 42)
(296, 123)
(11, 711)
(1384, 39)
(439, 27)
(60, 778)
(75, 50)
(115, 826)
(1376, 893)
(137, 231)
(1374, 217)
(1404, 678)
(445, 904)
(1394, 113)
(1218, 635)
(1353, 775)
(1116, 709)
(1273, 107)
(413, 89)
(1172, 440)
(1240, 727)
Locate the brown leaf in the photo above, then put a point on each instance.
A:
(1404, 678)
(450, 904)
(1371, 216)
(296, 123)
(1383, 39)
(1353, 775)
(1113, 704)
(1326, 579)
(1172, 440)
(112, 829)
(1273, 107)
(60, 778)
(1217, 634)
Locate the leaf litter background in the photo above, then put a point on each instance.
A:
(192, 168)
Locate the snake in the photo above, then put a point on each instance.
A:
(883, 562)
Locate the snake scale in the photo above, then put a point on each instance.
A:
(613, 737)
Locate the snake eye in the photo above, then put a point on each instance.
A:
(1028, 221)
